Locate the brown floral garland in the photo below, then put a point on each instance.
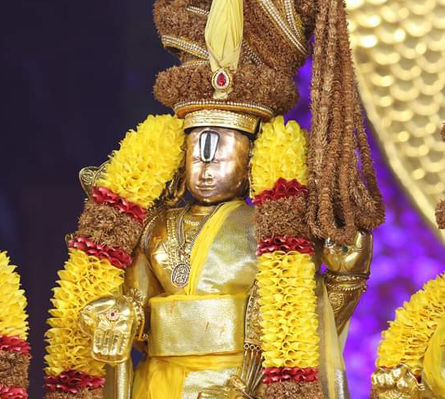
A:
(440, 209)
(106, 225)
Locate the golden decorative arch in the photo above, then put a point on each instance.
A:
(399, 51)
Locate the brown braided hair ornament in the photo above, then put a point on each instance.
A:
(440, 209)
(343, 192)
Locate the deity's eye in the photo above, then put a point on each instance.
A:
(208, 143)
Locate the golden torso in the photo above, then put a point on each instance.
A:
(231, 264)
(191, 333)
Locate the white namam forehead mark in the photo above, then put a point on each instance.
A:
(208, 144)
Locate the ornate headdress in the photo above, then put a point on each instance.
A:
(234, 71)
(238, 60)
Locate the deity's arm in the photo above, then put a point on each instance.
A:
(128, 328)
(141, 282)
(348, 269)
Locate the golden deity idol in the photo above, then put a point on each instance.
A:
(199, 335)
(202, 238)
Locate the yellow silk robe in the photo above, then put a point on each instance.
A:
(196, 333)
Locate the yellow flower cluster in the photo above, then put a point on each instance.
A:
(288, 310)
(407, 338)
(147, 159)
(13, 317)
(280, 151)
(84, 279)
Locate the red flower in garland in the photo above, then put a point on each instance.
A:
(7, 392)
(279, 374)
(286, 244)
(103, 195)
(14, 344)
(117, 257)
(282, 189)
(73, 381)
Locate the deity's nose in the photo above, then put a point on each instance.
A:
(207, 173)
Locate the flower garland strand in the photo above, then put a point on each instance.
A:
(407, 338)
(14, 348)
(109, 229)
(286, 277)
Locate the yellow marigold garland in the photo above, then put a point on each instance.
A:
(138, 172)
(408, 336)
(13, 317)
(147, 159)
(83, 279)
(286, 280)
(287, 305)
(280, 151)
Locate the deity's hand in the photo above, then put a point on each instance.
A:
(112, 324)
(235, 388)
(349, 259)
(396, 383)
(348, 271)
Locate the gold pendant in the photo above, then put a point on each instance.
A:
(180, 275)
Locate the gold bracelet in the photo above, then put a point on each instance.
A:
(136, 299)
(346, 282)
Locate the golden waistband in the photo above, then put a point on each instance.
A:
(196, 325)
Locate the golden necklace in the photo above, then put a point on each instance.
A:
(181, 270)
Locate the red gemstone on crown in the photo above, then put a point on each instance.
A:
(221, 80)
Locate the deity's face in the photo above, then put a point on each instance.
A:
(216, 164)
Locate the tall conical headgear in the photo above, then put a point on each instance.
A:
(238, 59)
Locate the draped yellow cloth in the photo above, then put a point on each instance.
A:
(223, 266)
(205, 239)
(224, 33)
(164, 377)
(332, 368)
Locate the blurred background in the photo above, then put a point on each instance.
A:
(76, 75)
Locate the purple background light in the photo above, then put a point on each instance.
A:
(406, 255)
(76, 76)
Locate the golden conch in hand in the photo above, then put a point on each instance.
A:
(111, 323)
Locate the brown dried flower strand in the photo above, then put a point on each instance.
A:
(272, 88)
(14, 369)
(440, 215)
(285, 216)
(83, 394)
(340, 187)
(294, 390)
(107, 226)
(440, 209)
(267, 43)
(172, 18)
